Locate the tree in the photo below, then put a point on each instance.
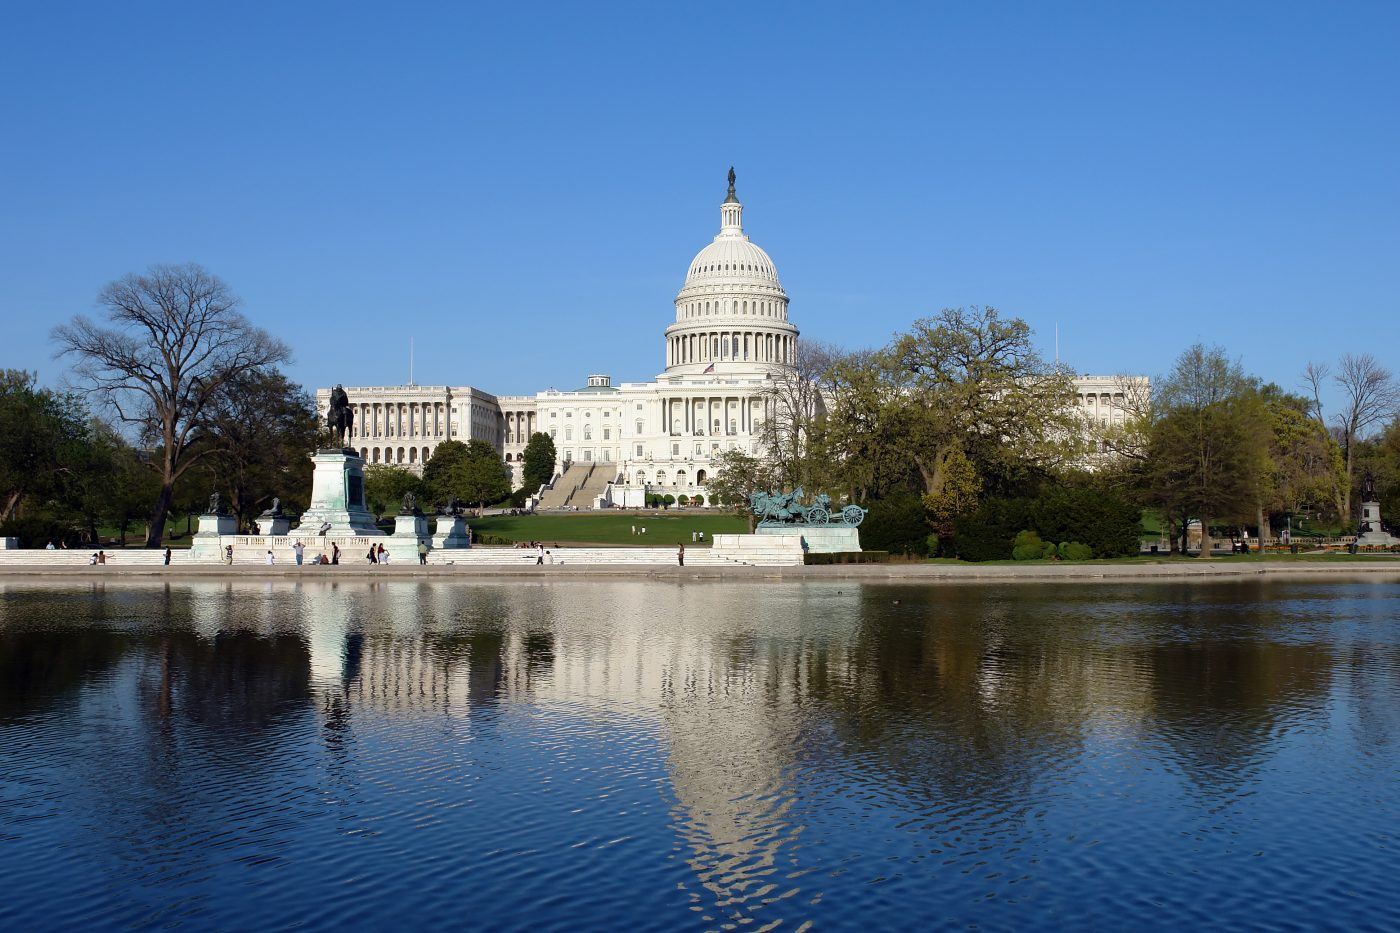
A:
(793, 406)
(973, 399)
(539, 457)
(175, 342)
(43, 441)
(738, 475)
(261, 431)
(1204, 449)
(472, 472)
(1370, 397)
(386, 485)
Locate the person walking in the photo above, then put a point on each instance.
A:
(335, 553)
(167, 557)
(422, 553)
(270, 558)
(680, 554)
(383, 555)
(298, 549)
(228, 555)
(371, 555)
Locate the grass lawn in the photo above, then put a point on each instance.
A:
(663, 529)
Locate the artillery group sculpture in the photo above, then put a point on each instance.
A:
(786, 508)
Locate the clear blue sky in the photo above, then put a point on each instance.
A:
(521, 186)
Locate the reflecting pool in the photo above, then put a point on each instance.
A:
(630, 754)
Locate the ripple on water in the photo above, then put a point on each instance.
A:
(654, 756)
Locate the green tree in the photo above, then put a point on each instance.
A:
(976, 399)
(175, 341)
(44, 440)
(261, 432)
(1207, 445)
(472, 472)
(736, 476)
(539, 458)
(386, 485)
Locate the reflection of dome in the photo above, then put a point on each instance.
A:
(731, 312)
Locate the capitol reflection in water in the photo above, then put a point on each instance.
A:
(697, 755)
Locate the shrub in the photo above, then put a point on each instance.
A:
(38, 531)
(1073, 550)
(1027, 545)
(897, 525)
(698, 500)
(988, 532)
(931, 542)
(682, 499)
(1108, 524)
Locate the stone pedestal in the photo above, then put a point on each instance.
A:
(820, 539)
(409, 531)
(1375, 535)
(337, 497)
(451, 533)
(269, 524)
(207, 544)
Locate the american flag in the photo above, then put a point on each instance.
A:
(708, 369)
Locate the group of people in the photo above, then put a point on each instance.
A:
(298, 552)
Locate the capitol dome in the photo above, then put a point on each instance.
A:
(731, 313)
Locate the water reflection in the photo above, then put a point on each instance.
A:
(815, 752)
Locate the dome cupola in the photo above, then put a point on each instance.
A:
(731, 313)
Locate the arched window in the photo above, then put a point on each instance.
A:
(376, 455)
(680, 477)
(364, 453)
(508, 460)
(588, 432)
(699, 477)
(413, 455)
(661, 477)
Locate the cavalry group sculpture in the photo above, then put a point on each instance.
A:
(786, 508)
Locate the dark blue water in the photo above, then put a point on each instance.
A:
(644, 755)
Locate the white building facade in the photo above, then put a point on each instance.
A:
(730, 337)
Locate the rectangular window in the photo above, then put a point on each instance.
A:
(607, 434)
(675, 450)
(639, 450)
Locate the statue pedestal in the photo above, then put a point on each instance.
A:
(337, 497)
(820, 539)
(451, 533)
(206, 544)
(273, 524)
(1377, 536)
(409, 531)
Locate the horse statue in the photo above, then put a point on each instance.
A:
(340, 416)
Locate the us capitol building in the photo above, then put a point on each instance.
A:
(615, 443)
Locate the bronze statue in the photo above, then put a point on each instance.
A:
(731, 179)
(410, 504)
(1368, 487)
(340, 416)
(215, 507)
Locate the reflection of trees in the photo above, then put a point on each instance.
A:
(51, 641)
(1225, 680)
(239, 681)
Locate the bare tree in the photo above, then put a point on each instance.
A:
(1370, 397)
(176, 341)
(792, 401)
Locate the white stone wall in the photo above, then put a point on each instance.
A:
(402, 425)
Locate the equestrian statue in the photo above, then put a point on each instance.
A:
(340, 416)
